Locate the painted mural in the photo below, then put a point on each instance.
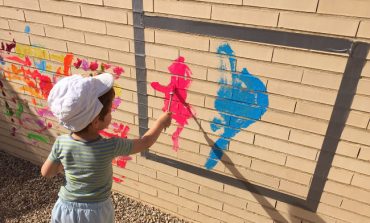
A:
(241, 99)
(240, 102)
(34, 71)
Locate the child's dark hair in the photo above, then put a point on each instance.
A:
(106, 100)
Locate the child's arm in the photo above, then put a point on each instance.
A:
(50, 169)
(152, 134)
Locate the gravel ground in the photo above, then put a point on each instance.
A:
(25, 196)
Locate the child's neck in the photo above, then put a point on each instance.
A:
(86, 136)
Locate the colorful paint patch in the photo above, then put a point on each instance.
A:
(240, 103)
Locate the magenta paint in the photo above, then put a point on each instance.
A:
(181, 110)
(44, 112)
(116, 102)
(85, 65)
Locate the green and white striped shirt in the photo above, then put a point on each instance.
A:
(87, 166)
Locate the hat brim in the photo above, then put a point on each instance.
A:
(106, 80)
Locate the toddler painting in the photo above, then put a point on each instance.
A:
(83, 106)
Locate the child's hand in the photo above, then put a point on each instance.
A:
(165, 119)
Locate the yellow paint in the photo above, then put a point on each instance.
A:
(57, 57)
(32, 51)
(118, 91)
(34, 92)
(49, 67)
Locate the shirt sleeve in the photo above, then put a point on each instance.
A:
(123, 147)
(55, 152)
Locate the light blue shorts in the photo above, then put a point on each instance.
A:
(74, 212)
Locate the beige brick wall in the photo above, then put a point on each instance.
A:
(278, 152)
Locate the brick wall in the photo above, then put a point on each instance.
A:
(293, 126)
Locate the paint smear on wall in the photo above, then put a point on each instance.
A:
(38, 138)
(119, 131)
(38, 79)
(44, 112)
(181, 110)
(8, 47)
(116, 102)
(27, 29)
(117, 180)
(240, 103)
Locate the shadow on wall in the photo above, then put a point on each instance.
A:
(269, 209)
(25, 81)
(267, 206)
(24, 134)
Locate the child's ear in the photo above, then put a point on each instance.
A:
(95, 122)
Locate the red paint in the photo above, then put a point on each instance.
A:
(78, 63)
(117, 180)
(119, 130)
(180, 82)
(58, 73)
(122, 161)
(94, 66)
(33, 78)
(45, 85)
(118, 71)
(105, 66)
(25, 62)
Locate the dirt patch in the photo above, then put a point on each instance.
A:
(25, 196)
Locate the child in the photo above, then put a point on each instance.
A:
(83, 105)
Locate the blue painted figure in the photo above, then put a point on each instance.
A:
(240, 103)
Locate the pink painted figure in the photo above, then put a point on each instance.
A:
(180, 82)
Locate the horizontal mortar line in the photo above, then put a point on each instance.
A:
(228, 180)
(274, 37)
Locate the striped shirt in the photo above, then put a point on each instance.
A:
(87, 166)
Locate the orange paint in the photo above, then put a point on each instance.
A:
(67, 63)
(34, 101)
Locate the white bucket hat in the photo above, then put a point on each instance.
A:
(74, 99)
